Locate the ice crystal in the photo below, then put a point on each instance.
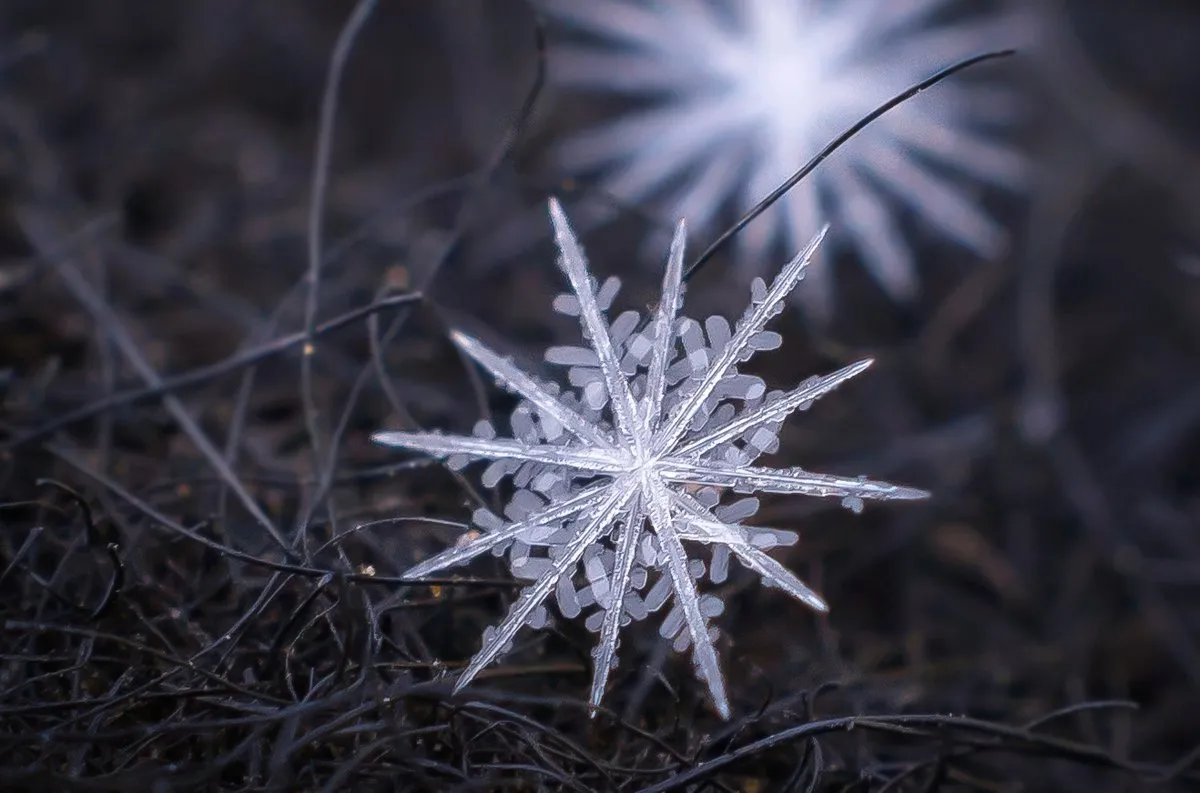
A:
(740, 93)
(615, 473)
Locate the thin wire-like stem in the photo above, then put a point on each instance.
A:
(830, 148)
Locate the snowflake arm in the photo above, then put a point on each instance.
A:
(604, 655)
(664, 326)
(732, 96)
(749, 479)
(740, 346)
(508, 375)
(704, 655)
(533, 596)
(588, 499)
(774, 410)
(435, 444)
(595, 328)
(733, 536)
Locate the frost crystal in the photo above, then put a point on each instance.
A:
(738, 94)
(614, 474)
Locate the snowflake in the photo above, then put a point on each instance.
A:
(614, 474)
(742, 92)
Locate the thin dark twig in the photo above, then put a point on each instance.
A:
(203, 374)
(271, 657)
(316, 209)
(1081, 707)
(942, 761)
(95, 541)
(502, 153)
(907, 724)
(25, 549)
(40, 236)
(75, 461)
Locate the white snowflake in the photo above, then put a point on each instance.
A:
(741, 93)
(615, 473)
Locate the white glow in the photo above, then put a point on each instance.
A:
(743, 92)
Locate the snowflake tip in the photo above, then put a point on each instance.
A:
(902, 493)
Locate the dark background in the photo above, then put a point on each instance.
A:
(156, 170)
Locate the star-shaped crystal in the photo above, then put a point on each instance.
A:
(727, 98)
(615, 474)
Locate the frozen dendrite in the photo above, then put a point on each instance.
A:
(733, 96)
(616, 473)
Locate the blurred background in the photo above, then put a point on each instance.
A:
(169, 174)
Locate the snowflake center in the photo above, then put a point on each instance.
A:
(641, 461)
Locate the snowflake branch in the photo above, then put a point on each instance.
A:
(555, 512)
(595, 327)
(664, 329)
(749, 478)
(703, 652)
(604, 656)
(435, 444)
(533, 596)
(508, 375)
(738, 347)
(774, 411)
(733, 536)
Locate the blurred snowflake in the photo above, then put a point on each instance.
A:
(742, 92)
(615, 473)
